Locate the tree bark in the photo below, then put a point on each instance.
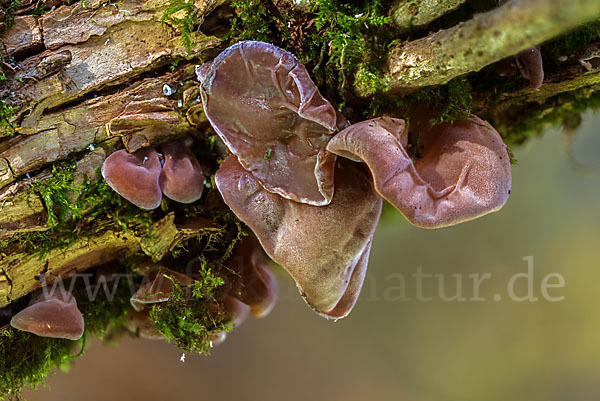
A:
(483, 40)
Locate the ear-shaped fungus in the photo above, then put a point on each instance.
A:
(531, 66)
(263, 104)
(54, 315)
(181, 178)
(251, 280)
(464, 171)
(325, 249)
(158, 289)
(134, 176)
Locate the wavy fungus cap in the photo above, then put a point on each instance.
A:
(463, 172)
(53, 315)
(134, 176)
(263, 104)
(324, 248)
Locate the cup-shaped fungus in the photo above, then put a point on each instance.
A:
(531, 66)
(158, 288)
(464, 171)
(181, 178)
(324, 248)
(262, 103)
(52, 315)
(250, 278)
(134, 176)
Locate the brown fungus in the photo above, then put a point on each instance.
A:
(324, 248)
(53, 315)
(531, 65)
(181, 178)
(250, 277)
(158, 288)
(262, 103)
(134, 176)
(463, 172)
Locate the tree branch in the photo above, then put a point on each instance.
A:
(407, 14)
(483, 40)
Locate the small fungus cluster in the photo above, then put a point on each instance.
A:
(250, 288)
(144, 176)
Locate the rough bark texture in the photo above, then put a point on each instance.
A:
(413, 14)
(483, 40)
(95, 78)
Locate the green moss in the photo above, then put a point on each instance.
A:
(6, 112)
(449, 102)
(186, 25)
(569, 44)
(26, 359)
(192, 314)
(9, 10)
(564, 110)
(74, 211)
(336, 40)
(253, 22)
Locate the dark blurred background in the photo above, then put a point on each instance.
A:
(391, 348)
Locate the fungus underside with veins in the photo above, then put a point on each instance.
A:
(463, 172)
(324, 248)
(263, 104)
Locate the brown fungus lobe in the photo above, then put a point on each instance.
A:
(263, 104)
(463, 172)
(134, 176)
(181, 178)
(158, 288)
(324, 248)
(531, 65)
(53, 315)
(250, 277)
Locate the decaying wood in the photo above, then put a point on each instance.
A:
(483, 40)
(18, 270)
(84, 80)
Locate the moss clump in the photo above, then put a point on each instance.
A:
(185, 25)
(192, 314)
(563, 110)
(338, 41)
(569, 44)
(449, 102)
(252, 21)
(26, 359)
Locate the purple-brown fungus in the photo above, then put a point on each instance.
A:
(181, 178)
(324, 248)
(463, 171)
(531, 65)
(252, 281)
(52, 315)
(263, 104)
(134, 176)
(158, 288)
